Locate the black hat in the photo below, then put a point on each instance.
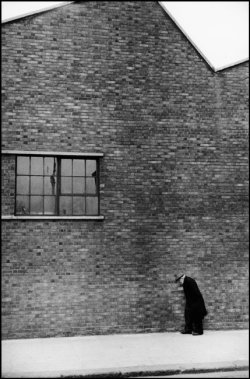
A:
(177, 279)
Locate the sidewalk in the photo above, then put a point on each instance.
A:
(92, 355)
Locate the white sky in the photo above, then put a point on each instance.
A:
(12, 9)
(218, 29)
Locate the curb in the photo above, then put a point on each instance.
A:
(135, 371)
(239, 366)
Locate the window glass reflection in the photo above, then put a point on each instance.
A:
(50, 166)
(66, 167)
(50, 185)
(90, 167)
(78, 167)
(66, 185)
(78, 185)
(92, 205)
(22, 185)
(22, 205)
(36, 205)
(79, 205)
(36, 166)
(91, 185)
(49, 205)
(36, 185)
(23, 165)
(65, 205)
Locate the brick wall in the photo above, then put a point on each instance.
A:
(121, 79)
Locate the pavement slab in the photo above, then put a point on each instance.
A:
(124, 353)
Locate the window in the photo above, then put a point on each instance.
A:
(57, 186)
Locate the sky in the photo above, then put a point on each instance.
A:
(12, 9)
(218, 29)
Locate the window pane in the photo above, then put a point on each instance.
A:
(50, 166)
(66, 205)
(22, 185)
(49, 205)
(79, 185)
(79, 205)
(66, 185)
(66, 167)
(36, 205)
(22, 205)
(36, 185)
(92, 205)
(23, 165)
(90, 167)
(78, 167)
(36, 166)
(50, 185)
(91, 185)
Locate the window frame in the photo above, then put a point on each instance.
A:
(59, 156)
(58, 193)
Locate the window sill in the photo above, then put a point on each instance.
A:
(95, 218)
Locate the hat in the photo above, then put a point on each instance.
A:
(178, 278)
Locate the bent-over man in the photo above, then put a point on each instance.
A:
(195, 309)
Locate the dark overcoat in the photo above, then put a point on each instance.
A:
(195, 304)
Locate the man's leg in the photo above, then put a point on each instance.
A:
(188, 322)
(198, 326)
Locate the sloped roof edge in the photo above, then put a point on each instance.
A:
(216, 69)
(63, 4)
(186, 35)
(231, 64)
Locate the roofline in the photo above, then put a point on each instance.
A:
(196, 47)
(63, 4)
(232, 64)
(186, 35)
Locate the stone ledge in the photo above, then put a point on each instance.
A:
(66, 218)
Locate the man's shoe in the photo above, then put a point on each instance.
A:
(196, 334)
(186, 332)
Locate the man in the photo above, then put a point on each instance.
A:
(195, 309)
